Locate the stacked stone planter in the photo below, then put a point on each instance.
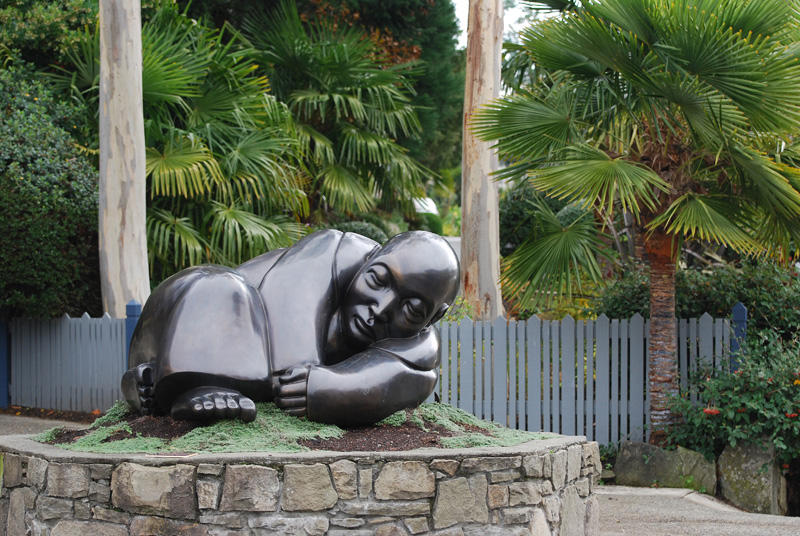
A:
(542, 488)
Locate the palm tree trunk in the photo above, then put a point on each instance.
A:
(663, 346)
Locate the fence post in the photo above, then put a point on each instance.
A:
(739, 332)
(5, 364)
(132, 312)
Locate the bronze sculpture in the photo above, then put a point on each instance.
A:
(335, 327)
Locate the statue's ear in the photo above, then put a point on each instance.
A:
(439, 314)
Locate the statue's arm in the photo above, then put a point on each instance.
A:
(390, 375)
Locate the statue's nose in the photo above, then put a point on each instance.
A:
(380, 307)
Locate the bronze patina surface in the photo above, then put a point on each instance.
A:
(335, 327)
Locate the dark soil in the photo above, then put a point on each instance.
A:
(55, 414)
(404, 437)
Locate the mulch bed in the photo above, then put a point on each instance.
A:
(375, 438)
(404, 437)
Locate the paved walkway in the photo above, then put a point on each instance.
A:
(12, 424)
(626, 511)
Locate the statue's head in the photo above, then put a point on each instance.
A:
(404, 287)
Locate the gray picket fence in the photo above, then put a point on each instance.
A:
(584, 377)
(67, 363)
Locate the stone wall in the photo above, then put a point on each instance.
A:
(543, 488)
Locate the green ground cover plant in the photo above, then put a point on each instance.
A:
(275, 431)
(760, 401)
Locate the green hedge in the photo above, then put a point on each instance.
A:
(48, 198)
(771, 294)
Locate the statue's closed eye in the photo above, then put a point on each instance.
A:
(414, 310)
(377, 276)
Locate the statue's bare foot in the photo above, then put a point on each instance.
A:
(212, 403)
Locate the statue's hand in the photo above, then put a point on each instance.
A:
(144, 385)
(291, 391)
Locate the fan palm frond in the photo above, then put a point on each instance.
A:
(237, 234)
(715, 219)
(550, 264)
(173, 240)
(590, 174)
(183, 167)
(344, 190)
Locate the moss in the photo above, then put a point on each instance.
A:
(449, 417)
(272, 431)
(398, 418)
(275, 431)
(114, 415)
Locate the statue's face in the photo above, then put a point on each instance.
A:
(400, 290)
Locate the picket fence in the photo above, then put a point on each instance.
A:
(584, 377)
(67, 363)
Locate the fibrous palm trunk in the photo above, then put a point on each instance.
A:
(663, 346)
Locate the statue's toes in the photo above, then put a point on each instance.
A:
(247, 409)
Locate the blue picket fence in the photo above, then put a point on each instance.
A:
(576, 377)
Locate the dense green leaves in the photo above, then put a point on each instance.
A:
(350, 107)
(48, 199)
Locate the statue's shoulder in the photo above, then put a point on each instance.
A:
(352, 252)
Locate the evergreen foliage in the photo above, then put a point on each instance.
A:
(48, 198)
(770, 293)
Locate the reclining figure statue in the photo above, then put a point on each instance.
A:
(335, 328)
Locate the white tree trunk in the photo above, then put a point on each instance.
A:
(122, 211)
(480, 240)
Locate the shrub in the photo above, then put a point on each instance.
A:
(429, 222)
(760, 401)
(44, 30)
(48, 198)
(769, 292)
(363, 228)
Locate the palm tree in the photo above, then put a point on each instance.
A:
(679, 112)
(223, 155)
(350, 106)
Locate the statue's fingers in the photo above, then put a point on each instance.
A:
(294, 375)
(146, 402)
(292, 389)
(291, 402)
(145, 390)
(297, 412)
(144, 374)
